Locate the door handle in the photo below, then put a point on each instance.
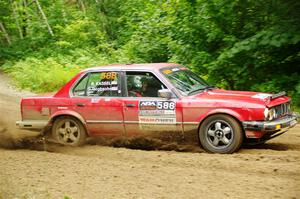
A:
(130, 105)
(80, 104)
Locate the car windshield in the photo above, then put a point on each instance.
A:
(185, 80)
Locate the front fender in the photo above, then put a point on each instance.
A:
(239, 114)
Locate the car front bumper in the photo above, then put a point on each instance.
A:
(280, 124)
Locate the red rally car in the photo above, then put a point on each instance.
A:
(133, 99)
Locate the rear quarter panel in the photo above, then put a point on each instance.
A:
(41, 108)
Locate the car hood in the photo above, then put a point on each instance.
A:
(241, 97)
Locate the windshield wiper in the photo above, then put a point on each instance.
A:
(202, 89)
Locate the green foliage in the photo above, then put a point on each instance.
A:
(79, 33)
(40, 75)
(245, 45)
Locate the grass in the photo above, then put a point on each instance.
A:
(40, 75)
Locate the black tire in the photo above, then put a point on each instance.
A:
(69, 131)
(220, 134)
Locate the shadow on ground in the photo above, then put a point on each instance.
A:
(273, 146)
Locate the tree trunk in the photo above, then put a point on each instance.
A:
(81, 5)
(13, 5)
(44, 17)
(24, 18)
(2, 28)
(63, 12)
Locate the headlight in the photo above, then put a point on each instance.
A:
(266, 113)
(270, 114)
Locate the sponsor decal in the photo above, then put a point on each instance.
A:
(168, 71)
(157, 105)
(261, 95)
(147, 105)
(162, 127)
(157, 120)
(157, 112)
(95, 100)
(172, 70)
(62, 108)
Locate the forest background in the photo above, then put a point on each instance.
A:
(233, 44)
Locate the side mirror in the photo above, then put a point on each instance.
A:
(165, 93)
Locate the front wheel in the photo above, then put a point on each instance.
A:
(220, 134)
(69, 131)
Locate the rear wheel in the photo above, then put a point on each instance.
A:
(220, 134)
(69, 131)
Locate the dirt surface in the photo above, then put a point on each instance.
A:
(38, 169)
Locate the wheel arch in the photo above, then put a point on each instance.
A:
(227, 112)
(70, 114)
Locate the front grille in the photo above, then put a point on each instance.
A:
(282, 109)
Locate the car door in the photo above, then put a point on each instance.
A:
(97, 98)
(144, 111)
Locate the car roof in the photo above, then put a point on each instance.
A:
(146, 66)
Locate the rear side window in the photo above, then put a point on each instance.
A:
(98, 84)
(80, 89)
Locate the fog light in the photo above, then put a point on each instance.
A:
(278, 126)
